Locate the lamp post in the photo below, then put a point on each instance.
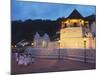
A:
(15, 46)
(85, 50)
(59, 50)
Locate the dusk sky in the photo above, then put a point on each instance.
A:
(52, 11)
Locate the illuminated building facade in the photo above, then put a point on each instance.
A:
(74, 29)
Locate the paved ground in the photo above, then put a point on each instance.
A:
(48, 65)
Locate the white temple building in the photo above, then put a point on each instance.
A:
(41, 42)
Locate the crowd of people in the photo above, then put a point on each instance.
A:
(24, 59)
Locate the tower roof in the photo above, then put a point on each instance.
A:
(91, 17)
(75, 15)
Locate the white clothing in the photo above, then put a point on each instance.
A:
(16, 56)
(21, 60)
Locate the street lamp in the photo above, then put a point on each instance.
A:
(85, 50)
(32, 44)
(59, 50)
(15, 46)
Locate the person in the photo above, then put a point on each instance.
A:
(21, 60)
(28, 59)
(16, 56)
(32, 59)
(25, 60)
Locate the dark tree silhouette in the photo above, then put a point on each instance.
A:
(27, 29)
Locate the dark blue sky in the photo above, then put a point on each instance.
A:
(34, 10)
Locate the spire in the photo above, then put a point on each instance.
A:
(46, 37)
(37, 36)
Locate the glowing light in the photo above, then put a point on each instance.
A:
(15, 45)
(32, 44)
(84, 39)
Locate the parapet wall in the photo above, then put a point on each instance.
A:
(71, 54)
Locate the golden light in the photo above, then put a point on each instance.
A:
(84, 39)
(15, 45)
(86, 22)
(59, 41)
(32, 44)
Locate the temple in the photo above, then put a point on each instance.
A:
(75, 19)
(75, 29)
(41, 42)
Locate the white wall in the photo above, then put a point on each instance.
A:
(72, 54)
